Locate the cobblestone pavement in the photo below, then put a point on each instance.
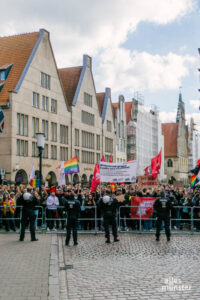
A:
(24, 267)
(137, 267)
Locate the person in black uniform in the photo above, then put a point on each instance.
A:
(109, 206)
(72, 206)
(162, 207)
(29, 202)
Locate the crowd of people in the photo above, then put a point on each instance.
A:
(51, 212)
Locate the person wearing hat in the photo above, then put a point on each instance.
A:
(29, 202)
(72, 206)
(109, 206)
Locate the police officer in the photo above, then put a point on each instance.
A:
(162, 207)
(72, 206)
(29, 202)
(109, 206)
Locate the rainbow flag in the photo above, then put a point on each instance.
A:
(193, 180)
(70, 166)
(35, 182)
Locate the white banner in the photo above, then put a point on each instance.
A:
(119, 172)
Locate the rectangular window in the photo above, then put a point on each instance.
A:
(98, 142)
(87, 157)
(35, 152)
(22, 148)
(53, 132)
(87, 118)
(35, 126)
(45, 81)
(2, 75)
(63, 153)
(109, 126)
(45, 129)
(36, 100)
(108, 145)
(88, 99)
(98, 158)
(76, 141)
(63, 134)
(45, 151)
(54, 106)
(22, 124)
(107, 158)
(87, 140)
(53, 152)
(77, 154)
(45, 103)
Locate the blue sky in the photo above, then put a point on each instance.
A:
(136, 45)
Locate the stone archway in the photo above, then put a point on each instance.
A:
(51, 178)
(67, 179)
(21, 177)
(37, 175)
(75, 179)
(84, 180)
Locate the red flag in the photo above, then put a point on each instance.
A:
(103, 158)
(130, 159)
(147, 170)
(111, 183)
(95, 178)
(142, 207)
(156, 164)
(53, 189)
(111, 159)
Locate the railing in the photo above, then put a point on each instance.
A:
(182, 219)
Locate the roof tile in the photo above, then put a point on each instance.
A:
(100, 99)
(15, 50)
(128, 108)
(170, 132)
(70, 78)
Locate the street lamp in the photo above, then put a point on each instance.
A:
(40, 145)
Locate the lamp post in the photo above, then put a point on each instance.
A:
(40, 145)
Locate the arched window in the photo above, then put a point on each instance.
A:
(169, 163)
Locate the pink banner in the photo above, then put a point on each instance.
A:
(143, 204)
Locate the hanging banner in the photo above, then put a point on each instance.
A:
(147, 181)
(142, 206)
(118, 172)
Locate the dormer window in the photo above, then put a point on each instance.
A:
(4, 71)
(2, 75)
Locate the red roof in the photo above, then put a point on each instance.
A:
(15, 50)
(70, 78)
(115, 106)
(128, 108)
(100, 99)
(170, 132)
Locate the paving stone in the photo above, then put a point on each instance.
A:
(135, 268)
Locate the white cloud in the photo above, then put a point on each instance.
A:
(167, 117)
(88, 26)
(125, 70)
(195, 104)
(99, 28)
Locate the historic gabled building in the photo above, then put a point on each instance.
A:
(176, 146)
(37, 97)
(33, 100)
(92, 123)
(121, 132)
(108, 138)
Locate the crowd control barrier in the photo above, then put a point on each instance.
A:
(182, 219)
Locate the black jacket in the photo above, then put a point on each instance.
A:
(162, 207)
(73, 208)
(28, 201)
(108, 209)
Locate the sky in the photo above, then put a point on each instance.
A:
(139, 48)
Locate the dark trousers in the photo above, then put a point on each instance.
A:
(51, 218)
(72, 224)
(166, 220)
(28, 215)
(110, 220)
(9, 221)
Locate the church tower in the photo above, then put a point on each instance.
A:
(181, 109)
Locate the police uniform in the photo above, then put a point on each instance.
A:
(72, 206)
(108, 206)
(29, 202)
(162, 207)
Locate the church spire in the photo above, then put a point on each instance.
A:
(181, 107)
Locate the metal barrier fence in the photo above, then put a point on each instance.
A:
(183, 218)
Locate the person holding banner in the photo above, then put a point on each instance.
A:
(109, 206)
(162, 207)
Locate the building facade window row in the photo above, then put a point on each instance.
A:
(45, 103)
(88, 140)
(87, 118)
(108, 145)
